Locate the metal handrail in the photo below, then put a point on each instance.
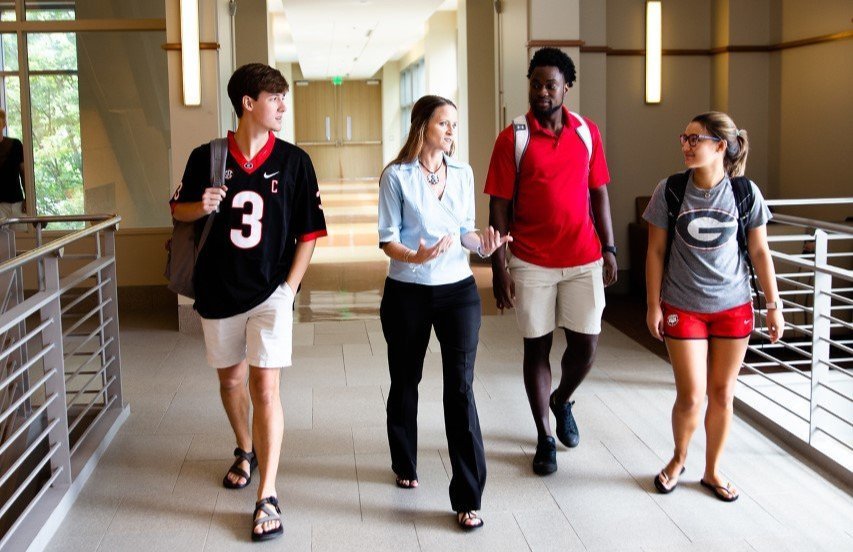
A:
(84, 405)
(55, 246)
(817, 303)
(843, 229)
(820, 201)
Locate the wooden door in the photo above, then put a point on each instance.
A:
(361, 115)
(340, 127)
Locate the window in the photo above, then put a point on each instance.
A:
(412, 85)
(96, 126)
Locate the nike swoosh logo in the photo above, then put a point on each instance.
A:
(270, 175)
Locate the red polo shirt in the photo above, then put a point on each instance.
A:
(552, 225)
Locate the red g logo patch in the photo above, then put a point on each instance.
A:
(672, 320)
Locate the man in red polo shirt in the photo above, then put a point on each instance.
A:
(562, 255)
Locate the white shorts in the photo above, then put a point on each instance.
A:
(572, 298)
(263, 335)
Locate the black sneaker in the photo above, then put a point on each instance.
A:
(567, 428)
(545, 459)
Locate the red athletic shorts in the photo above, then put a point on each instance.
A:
(735, 323)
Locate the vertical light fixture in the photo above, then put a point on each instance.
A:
(190, 58)
(653, 52)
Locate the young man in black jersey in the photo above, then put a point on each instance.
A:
(260, 243)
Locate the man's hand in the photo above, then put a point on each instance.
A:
(212, 197)
(503, 287)
(610, 269)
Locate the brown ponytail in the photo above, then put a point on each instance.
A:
(737, 143)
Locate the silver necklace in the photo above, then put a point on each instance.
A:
(432, 176)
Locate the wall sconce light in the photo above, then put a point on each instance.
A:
(653, 52)
(190, 57)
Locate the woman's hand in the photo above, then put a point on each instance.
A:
(654, 320)
(490, 240)
(425, 254)
(775, 324)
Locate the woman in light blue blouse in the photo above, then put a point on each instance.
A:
(426, 227)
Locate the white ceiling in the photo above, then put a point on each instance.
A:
(349, 38)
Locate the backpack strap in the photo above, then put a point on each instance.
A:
(744, 200)
(218, 156)
(584, 133)
(522, 139)
(674, 195)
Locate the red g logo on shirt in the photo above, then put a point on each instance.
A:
(706, 228)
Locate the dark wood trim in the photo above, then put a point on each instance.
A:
(555, 43)
(201, 46)
(722, 49)
(813, 40)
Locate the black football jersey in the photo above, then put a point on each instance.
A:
(272, 202)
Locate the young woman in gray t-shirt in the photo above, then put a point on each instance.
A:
(699, 300)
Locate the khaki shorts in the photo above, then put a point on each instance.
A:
(572, 298)
(263, 335)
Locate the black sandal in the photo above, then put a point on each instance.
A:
(723, 492)
(463, 517)
(269, 507)
(235, 469)
(412, 483)
(661, 485)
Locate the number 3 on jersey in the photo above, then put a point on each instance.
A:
(251, 219)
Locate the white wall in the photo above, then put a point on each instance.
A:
(287, 128)
(391, 123)
(440, 55)
(816, 129)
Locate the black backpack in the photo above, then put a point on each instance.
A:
(184, 245)
(744, 200)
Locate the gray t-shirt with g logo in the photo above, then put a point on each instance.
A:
(705, 271)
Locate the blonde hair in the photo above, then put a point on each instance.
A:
(723, 127)
(422, 112)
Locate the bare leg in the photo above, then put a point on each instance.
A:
(268, 430)
(537, 380)
(235, 399)
(689, 359)
(576, 363)
(725, 359)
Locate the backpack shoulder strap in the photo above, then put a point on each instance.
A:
(218, 156)
(522, 139)
(744, 200)
(584, 133)
(674, 194)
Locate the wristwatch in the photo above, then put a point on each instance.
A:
(772, 305)
(608, 249)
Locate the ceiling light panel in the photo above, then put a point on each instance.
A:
(354, 38)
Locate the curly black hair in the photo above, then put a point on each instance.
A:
(552, 57)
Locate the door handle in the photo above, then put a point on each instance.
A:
(349, 128)
(328, 129)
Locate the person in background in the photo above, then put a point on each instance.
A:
(12, 203)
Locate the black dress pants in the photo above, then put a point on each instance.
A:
(408, 312)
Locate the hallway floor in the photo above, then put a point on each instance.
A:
(159, 485)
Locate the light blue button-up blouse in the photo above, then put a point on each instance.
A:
(409, 211)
